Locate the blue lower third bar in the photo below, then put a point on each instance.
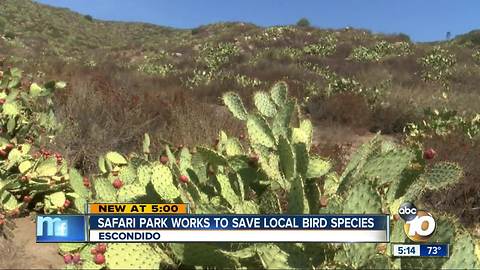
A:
(434, 250)
(61, 228)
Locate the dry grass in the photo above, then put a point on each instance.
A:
(100, 112)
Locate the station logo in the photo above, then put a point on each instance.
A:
(419, 224)
(60, 228)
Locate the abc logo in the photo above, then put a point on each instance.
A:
(419, 224)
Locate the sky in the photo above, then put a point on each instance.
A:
(422, 20)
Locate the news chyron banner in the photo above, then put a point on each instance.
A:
(174, 223)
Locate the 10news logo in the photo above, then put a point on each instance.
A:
(419, 224)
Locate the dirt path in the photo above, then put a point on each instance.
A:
(22, 252)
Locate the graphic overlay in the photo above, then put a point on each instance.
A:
(420, 250)
(419, 227)
(239, 228)
(419, 224)
(125, 222)
(131, 208)
(61, 228)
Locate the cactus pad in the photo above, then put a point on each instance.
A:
(279, 93)
(259, 132)
(388, 166)
(463, 253)
(272, 257)
(331, 183)
(281, 122)
(318, 167)
(264, 104)
(161, 178)
(199, 254)
(233, 147)
(297, 202)
(226, 190)
(302, 159)
(356, 255)
(235, 105)
(131, 192)
(76, 181)
(212, 157)
(362, 199)
(442, 174)
(104, 190)
(287, 158)
(270, 165)
(134, 256)
(269, 203)
(116, 158)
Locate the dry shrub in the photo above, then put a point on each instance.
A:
(345, 108)
(195, 123)
(107, 109)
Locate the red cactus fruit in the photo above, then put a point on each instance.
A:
(323, 201)
(164, 160)
(66, 204)
(27, 198)
(2, 221)
(93, 251)
(3, 153)
(99, 258)
(183, 178)
(68, 258)
(15, 212)
(429, 153)
(9, 146)
(76, 258)
(253, 160)
(117, 183)
(86, 182)
(101, 248)
(2, 101)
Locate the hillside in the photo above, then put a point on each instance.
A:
(126, 79)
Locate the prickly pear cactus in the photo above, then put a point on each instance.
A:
(272, 167)
(135, 256)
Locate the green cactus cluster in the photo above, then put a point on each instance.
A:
(380, 51)
(274, 163)
(271, 171)
(438, 65)
(31, 175)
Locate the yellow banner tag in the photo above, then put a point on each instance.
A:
(138, 208)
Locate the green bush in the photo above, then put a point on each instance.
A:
(89, 18)
(10, 35)
(303, 22)
(437, 65)
(380, 51)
